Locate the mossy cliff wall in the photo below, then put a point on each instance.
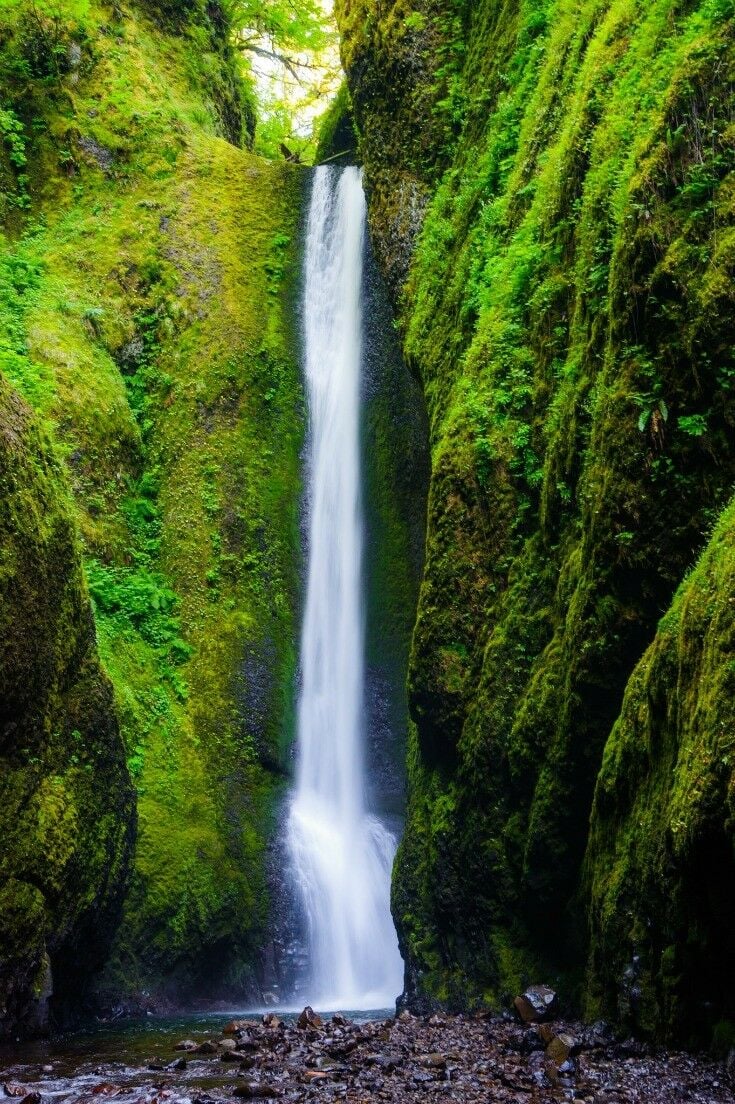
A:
(146, 263)
(67, 811)
(660, 855)
(551, 197)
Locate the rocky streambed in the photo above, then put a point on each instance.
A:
(493, 1060)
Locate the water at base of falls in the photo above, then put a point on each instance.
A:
(340, 855)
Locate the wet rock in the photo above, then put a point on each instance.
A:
(271, 1021)
(540, 1080)
(597, 1036)
(104, 157)
(422, 1077)
(11, 1089)
(253, 1090)
(47, 1069)
(632, 1048)
(179, 1064)
(560, 1048)
(530, 1041)
(460, 1060)
(247, 1042)
(227, 1044)
(230, 1056)
(206, 1047)
(434, 1061)
(545, 1033)
(157, 1065)
(186, 1044)
(536, 1004)
(309, 1018)
(234, 1027)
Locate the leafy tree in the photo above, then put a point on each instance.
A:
(290, 49)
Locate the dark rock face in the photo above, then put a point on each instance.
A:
(67, 816)
(390, 70)
(668, 768)
(567, 310)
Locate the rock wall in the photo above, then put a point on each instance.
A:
(147, 263)
(551, 199)
(67, 808)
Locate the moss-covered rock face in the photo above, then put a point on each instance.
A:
(67, 809)
(146, 269)
(568, 311)
(392, 54)
(337, 137)
(660, 862)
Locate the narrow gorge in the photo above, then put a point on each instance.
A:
(367, 535)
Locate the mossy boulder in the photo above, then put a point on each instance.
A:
(67, 806)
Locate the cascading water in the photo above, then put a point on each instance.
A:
(341, 856)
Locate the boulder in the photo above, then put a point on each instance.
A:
(309, 1018)
(536, 1004)
(561, 1048)
(206, 1047)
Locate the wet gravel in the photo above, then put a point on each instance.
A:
(459, 1059)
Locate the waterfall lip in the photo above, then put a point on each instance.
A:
(340, 854)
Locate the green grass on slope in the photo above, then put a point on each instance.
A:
(143, 278)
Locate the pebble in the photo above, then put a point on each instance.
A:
(481, 1059)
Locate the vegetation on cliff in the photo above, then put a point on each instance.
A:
(145, 269)
(67, 811)
(552, 192)
(568, 309)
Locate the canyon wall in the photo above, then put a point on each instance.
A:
(551, 200)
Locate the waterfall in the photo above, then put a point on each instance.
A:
(341, 856)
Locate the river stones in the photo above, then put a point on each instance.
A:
(309, 1018)
(207, 1047)
(536, 1004)
(458, 1059)
(560, 1048)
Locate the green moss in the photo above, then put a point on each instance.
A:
(566, 309)
(336, 139)
(660, 857)
(66, 803)
(148, 318)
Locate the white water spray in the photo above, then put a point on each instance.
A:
(341, 856)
